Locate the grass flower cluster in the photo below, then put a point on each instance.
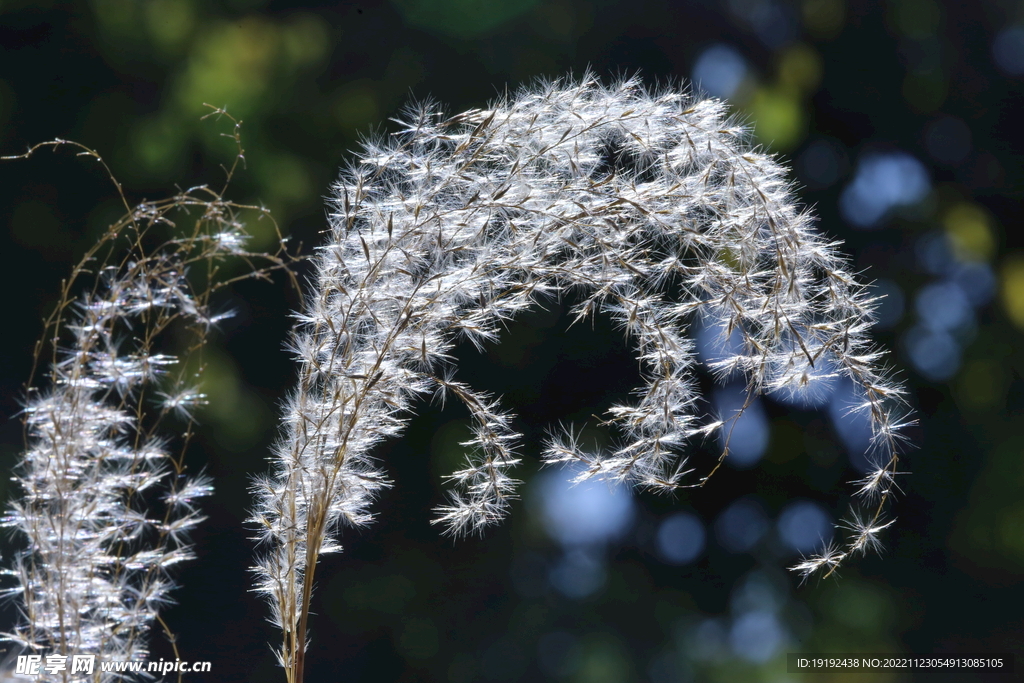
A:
(651, 207)
(106, 506)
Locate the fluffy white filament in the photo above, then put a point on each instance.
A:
(653, 206)
(103, 506)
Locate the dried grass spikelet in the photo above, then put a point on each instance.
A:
(653, 206)
(105, 504)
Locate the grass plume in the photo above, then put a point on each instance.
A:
(105, 504)
(654, 207)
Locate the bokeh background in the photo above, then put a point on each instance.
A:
(902, 120)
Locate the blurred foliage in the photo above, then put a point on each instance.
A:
(826, 83)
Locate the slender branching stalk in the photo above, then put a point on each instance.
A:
(105, 505)
(654, 207)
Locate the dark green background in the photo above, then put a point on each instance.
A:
(129, 78)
